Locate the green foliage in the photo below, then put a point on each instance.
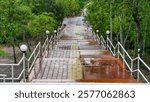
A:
(22, 21)
(98, 16)
(130, 21)
(41, 23)
(69, 7)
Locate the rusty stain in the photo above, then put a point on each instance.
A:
(108, 70)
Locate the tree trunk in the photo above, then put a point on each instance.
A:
(134, 5)
(121, 36)
(144, 39)
(111, 25)
(139, 33)
(24, 37)
(28, 44)
(135, 45)
(127, 35)
(14, 53)
(124, 42)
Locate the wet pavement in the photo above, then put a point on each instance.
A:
(77, 57)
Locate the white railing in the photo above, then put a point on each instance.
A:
(33, 57)
(3, 76)
(101, 41)
(12, 68)
(45, 47)
(39, 51)
(118, 51)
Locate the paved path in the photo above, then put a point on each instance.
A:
(79, 58)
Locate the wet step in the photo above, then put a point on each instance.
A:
(109, 80)
(105, 70)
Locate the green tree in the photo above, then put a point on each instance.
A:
(15, 17)
(40, 24)
(69, 7)
(129, 20)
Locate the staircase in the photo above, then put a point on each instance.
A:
(78, 57)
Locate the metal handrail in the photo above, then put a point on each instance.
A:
(125, 61)
(45, 43)
(45, 47)
(98, 39)
(34, 51)
(12, 71)
(143, 76)
(12, 64)
(37, 48)
(4, 76)
(30, 63)
(111, 43)
(124, 50)
(103, 42)
(108, 44)
(144, 63)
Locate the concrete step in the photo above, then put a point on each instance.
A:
(52, 81)
(110, 80)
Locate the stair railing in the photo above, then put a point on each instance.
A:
(33, 57)
(3, 76)
(38, 52)
(13, 69)
(120, 52)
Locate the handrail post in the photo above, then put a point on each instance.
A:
(100, 40)
(58, 32)
(28, 66)
(24, 48)
(55, 39)
(4, 76)
(47, 39)
(4, 80)
(12, 73)
(138, 76)
(52, 41)
(24, 67)
(123, 58)
(115, 51)
(131, 67)
(118, 50)
(55, 36)
(97, 39)
(108, 33)
(97, 31)
(107, 43)
(40, 56)
(47, 45)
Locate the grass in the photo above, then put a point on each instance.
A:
(3, 53)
